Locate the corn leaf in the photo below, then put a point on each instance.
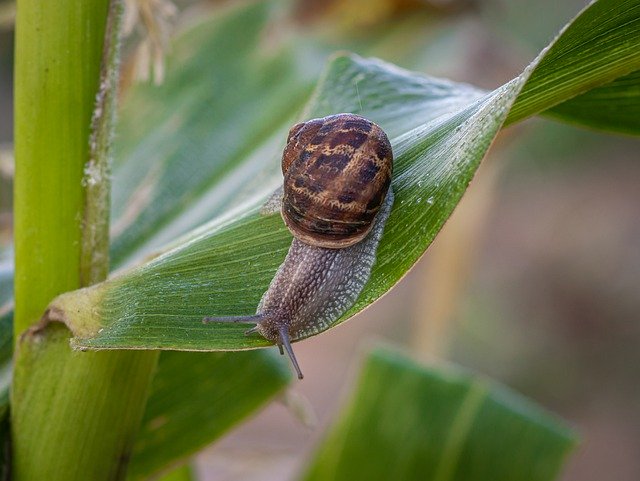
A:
(194, 147)
(408, 422)
(599, 46)
(614, 107)
(439, 130)
(196, 398)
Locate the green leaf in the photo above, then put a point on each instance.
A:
(407, 422)
(196, 398)
(600, 45)
(161, 304)
(439, 130)
(614, 107)
(194, 147)
(182, 473)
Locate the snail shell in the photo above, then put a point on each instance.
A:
(337, 198)
(337, 172)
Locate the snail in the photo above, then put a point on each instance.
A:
(335, 200)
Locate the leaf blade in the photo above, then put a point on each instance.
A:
(248, 250)
(406, 421)
(217, 110)
(440, 131)
(197, 398)
(600, 45)
(614, 107)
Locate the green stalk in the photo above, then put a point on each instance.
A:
(74, 414)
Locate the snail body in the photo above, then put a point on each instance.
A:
(336, 200)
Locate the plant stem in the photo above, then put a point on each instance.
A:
(74, 414)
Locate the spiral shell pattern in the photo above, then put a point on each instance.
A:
(337, 171)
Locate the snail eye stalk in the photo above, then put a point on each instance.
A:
(286, 342)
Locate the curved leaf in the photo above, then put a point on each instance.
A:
(600, 45)
(158, 305)
(438, 424)
(439, 130)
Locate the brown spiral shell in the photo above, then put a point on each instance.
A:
(337, 172)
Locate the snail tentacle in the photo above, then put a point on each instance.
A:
(286, 342)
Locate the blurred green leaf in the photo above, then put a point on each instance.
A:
(439, 130)
(598, 46)
(196, 146)
(182, 473)
(196, 398)
(408, 422)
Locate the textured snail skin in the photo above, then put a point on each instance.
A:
(314, 286)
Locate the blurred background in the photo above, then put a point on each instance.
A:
(533, 281)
